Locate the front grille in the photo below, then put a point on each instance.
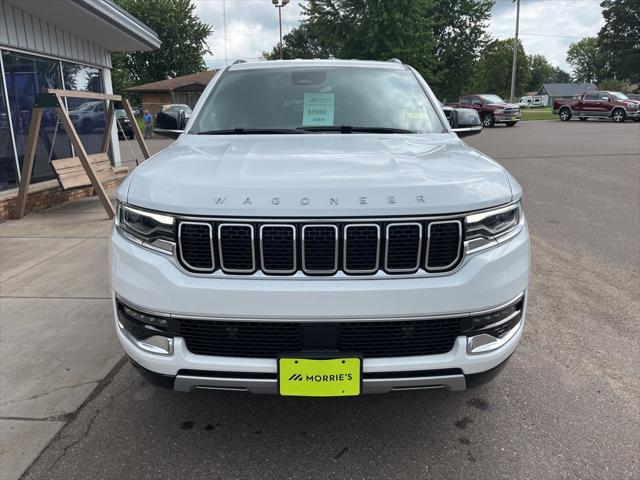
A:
(362, 248)
(369, 339)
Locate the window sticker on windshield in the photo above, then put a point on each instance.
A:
(318, 109)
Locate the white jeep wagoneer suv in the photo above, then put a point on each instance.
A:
(319, 229)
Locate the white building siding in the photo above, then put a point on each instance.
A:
(22, 30)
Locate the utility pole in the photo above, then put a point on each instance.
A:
(279, 4)
(224, 20)
(514, 67)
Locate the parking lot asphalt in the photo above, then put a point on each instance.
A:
(567, 405)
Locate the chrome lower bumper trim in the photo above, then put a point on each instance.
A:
(187, 383)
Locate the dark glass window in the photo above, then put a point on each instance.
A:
(25, 76)
(591, 97)
(8, 176)
(318, 97)
(88, 116)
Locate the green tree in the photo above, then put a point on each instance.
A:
(440, 38)
(183, 38)
(588, 62)
(298, 43)
(612, 85)
(619, 38)
(374, 30)
(459, 31)
(559, 76)
(541, 72)
(493, 70)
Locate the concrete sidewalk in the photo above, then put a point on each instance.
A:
(57, 339)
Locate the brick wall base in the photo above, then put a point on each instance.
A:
(42, 199)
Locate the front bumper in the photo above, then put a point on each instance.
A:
(485, 280)
(507, 118)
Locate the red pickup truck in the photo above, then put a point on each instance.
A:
(600, 104)
(491, 108)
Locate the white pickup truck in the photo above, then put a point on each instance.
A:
(319, 229)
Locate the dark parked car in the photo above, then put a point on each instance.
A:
(125, 130)
(170, 121)
(491, 108)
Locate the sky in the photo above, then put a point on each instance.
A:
(547, 27)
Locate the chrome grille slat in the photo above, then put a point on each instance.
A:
(277, 247)
(316, 238)
(236, 246)
(197, 249)
(399, 245)
(364, 249)
(440, 245)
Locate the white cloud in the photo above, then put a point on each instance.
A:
(547, 27)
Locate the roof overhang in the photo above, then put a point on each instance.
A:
(100, 21)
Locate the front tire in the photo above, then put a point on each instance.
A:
(619, 115)
(565, 114)
(510, 124)
(637, 119)
(488, 121)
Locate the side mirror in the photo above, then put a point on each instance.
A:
(465, 122)
(170, 124)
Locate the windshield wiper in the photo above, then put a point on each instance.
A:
(350, 129)
(249, 131)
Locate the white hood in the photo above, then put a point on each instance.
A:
(318, 175)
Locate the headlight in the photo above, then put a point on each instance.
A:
(488, 228)
(150, 229)
(499, 110)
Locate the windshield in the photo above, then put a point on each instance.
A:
(87, 106)
(491, 98)
(304, 99)
(120, 113)
(176, 108)
(619, 95)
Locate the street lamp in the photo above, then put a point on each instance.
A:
(279, 4)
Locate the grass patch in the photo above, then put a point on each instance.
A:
(538, 114)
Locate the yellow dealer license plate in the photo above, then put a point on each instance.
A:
(314, 377)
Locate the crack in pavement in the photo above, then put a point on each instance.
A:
(38, 395)
(89, 426)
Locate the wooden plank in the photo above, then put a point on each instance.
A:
(90, 95)
(136, 129)
(63, 163)
(82, 180)
(27, 164)
(106, 137)
(82, 153)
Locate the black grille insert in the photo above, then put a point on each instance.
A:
(236, 247)
(196, 246)
(320, 249)
(361, 245)
(403, 247)
(278, 248)
(444, 244)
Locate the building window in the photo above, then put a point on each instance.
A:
(8, 176)
(25, 76)
(88, 116)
